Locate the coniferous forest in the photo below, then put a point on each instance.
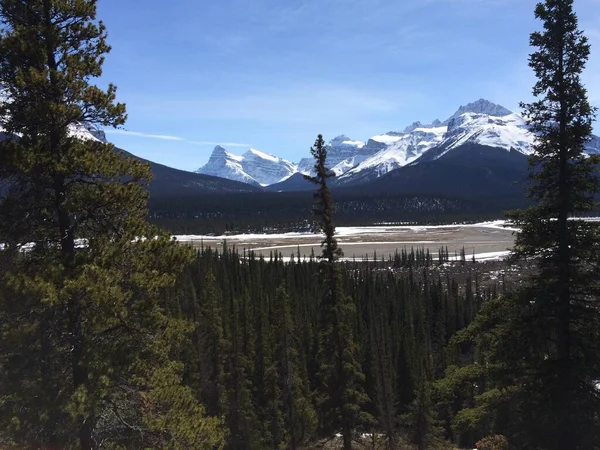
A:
(115, 336)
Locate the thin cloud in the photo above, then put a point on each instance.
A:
(167, 137)
(164, 137)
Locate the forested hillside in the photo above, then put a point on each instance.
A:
(253, 356)
(115, 336)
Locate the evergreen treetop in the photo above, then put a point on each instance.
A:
(91, 296)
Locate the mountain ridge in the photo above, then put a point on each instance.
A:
(353, 161)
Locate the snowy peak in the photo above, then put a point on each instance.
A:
(218, 151)
(221, 155)
(266, 168)
(258, 155)
(481, 122)
(482, 106)
(226, 165)
(413, 127)
(343, 143)
(253, 167)
(508, 132)
(92, 129)
(339, 140)
(394, 150)
(339, 149)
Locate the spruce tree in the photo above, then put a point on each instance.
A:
(543, 352)
(211, 347)
(340, 374)
(88, 359)
(561, 300)
(299, 416)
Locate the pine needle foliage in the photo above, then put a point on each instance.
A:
(538, 355)
(85, 335)
(340, 378)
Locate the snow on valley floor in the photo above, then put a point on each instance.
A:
(488, 240)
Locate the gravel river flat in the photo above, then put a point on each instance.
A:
(490, 240)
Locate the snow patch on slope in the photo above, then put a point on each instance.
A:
(507, 132)
(253, 167)
(400, 150)
(343, 153)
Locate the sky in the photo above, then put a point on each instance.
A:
(272, 74)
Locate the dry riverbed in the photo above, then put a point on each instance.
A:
(490, 240)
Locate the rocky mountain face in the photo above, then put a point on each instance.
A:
(253, 167)
(341, 151)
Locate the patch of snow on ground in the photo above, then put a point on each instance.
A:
(344, 232)
(489, 256)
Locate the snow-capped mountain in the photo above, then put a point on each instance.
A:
(481, 106)
(265, 168)
(253, 167)
(397, 150)
(340, 150)
(509, 131)
(84, 129)
(480, 123)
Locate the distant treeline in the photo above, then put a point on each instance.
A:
(287, 211)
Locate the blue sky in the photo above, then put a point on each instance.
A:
(272, 74)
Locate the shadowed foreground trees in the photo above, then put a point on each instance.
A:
(85, 343)
(540, 344)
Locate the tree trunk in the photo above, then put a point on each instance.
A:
(347, 437)
(67, 239)
(563, 309)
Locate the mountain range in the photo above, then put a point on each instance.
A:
(472, 164)
(477, 126)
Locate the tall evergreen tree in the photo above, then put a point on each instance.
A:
(543, 342)
(86, 338)
(212, 348)
(340, 374)
(299, 416)
(561, 301)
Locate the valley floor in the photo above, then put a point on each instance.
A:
(488, 241)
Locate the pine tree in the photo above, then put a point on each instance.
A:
(340, 374)
(540, 345)
(240, 416)
(561, 300)
(299, 417)
(87, 302)
(211, 347)
(422, 425)
(323, 207)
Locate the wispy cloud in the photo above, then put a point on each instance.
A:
(163, 137)
(167, 137)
